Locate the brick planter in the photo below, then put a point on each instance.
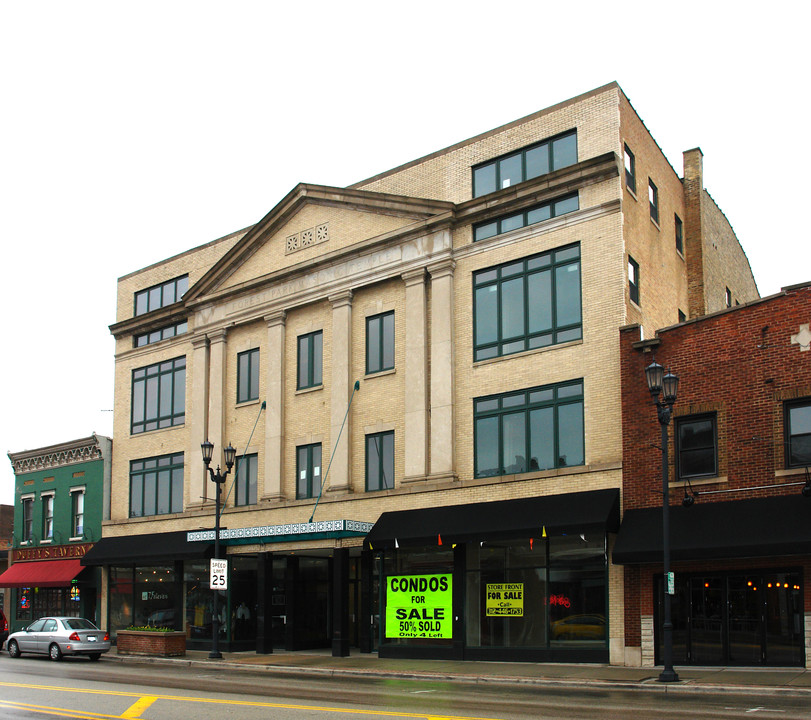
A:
(146, 642)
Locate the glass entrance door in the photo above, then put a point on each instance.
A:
(736, 619)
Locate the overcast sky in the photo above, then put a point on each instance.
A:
(132, 131)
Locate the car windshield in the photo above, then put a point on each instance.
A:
(79, 624)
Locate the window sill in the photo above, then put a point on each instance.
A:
(149, 432)
(525, 353)
(680, 254)
(78, 538)
(693, 482)
(248, 403)
(790, 472)
(656, 224)
(632, 193)
(46, 542)
(314, 388)
(379, 373)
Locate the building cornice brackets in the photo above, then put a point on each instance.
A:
(56, 456)
(276, 318)
(341, 299)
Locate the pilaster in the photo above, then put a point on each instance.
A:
(274, 413)
(218, 346)
(442, 410)
(416, 378)
(339, 478)
(197, 414)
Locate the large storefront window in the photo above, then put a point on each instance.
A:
(120, 598)
(423, 618)
(199, 601)
(155, 596)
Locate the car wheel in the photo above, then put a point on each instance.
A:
(14, 649)
(55, 652)
(94, 656)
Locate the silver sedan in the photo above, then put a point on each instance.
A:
(59, 636)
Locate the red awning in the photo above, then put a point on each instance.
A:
(42, 573)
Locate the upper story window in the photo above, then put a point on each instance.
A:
(310, 359)
(380, 461)
(727, 297)
(161, 334)
(159, 396)
(633, 280)
(308, 471)
(798, 433)
(77, 513)
(535, 214)
(47, 517)
(248, 375)
(27, 530)
(156, 485)
(653, 200)
(630, 170)
(159, 296)
(380, 343)
(531, 162)
(527, 304)
(245, 481)
(679, 234)
(535, 429)
(682, 316)
(696, 447)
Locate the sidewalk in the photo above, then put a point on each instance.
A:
(691, 679)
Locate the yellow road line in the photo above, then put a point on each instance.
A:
(61, 712)
(135, 710)
(243, 703)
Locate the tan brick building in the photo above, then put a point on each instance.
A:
(436, 345)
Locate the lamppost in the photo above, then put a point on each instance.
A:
(218, 479)
(666, 385)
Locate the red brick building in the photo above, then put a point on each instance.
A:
(739, 447)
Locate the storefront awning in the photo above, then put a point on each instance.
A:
(146, 549)
(756, 527)
(522, 517)
(42, 573)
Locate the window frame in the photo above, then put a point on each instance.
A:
(47, 501)
(386, 334)
(163, 333)
(498, 276)
(313, 374)
(246, 479)
(679, 231)
(27, 530)
(77, 512)
(179, 287)
(727, 297)
(250, 392)
(633, 281)
(789, 436)
(172, 370)
(630, 173)
(309, 452)
(509, 404)
(385, 462)
(680, 452)
(525, 221)
(653, 201)
(522, 152)
(144, 467)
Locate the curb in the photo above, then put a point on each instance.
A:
(649, 684)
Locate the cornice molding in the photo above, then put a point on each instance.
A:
(55, 456)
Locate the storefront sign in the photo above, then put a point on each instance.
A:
(505, 599)
(419, 606)
(51, 552)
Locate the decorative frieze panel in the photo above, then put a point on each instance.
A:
(307, 238)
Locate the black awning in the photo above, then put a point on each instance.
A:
(756, 527)
(146, 549)
(522, 517)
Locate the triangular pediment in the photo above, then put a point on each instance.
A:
(311, 222)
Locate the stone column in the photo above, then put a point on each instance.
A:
(218, 346)
(693, 184)
(442, 386)
(339, 477)
(274, 412)
(197, 417)
(416, 378)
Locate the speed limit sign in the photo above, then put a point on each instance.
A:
(219, 574)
